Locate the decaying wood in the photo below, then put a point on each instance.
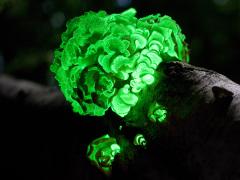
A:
(200, 139)
(30, 93)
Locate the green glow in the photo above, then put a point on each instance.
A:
(120, 128)
(157, 113)
(105, 61)
(101, 152)
(139, 140)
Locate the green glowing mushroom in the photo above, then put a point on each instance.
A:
(107, 61)
(157, 113)
(111, 62)
(102, 151)
(139, 140)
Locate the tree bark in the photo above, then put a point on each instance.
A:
(200, 140)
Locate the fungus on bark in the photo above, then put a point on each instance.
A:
(111, 61)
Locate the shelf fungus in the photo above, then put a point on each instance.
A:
(105, 61)
(102, 151)
(111, 61)
(139, 140)
(157, 113)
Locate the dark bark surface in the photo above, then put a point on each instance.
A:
(43, 139)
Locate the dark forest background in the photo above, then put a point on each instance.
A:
(31, 30)
(38, 146)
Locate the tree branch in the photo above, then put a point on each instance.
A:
(30, 93)
(200, 139)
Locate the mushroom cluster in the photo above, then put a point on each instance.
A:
(105, 61)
